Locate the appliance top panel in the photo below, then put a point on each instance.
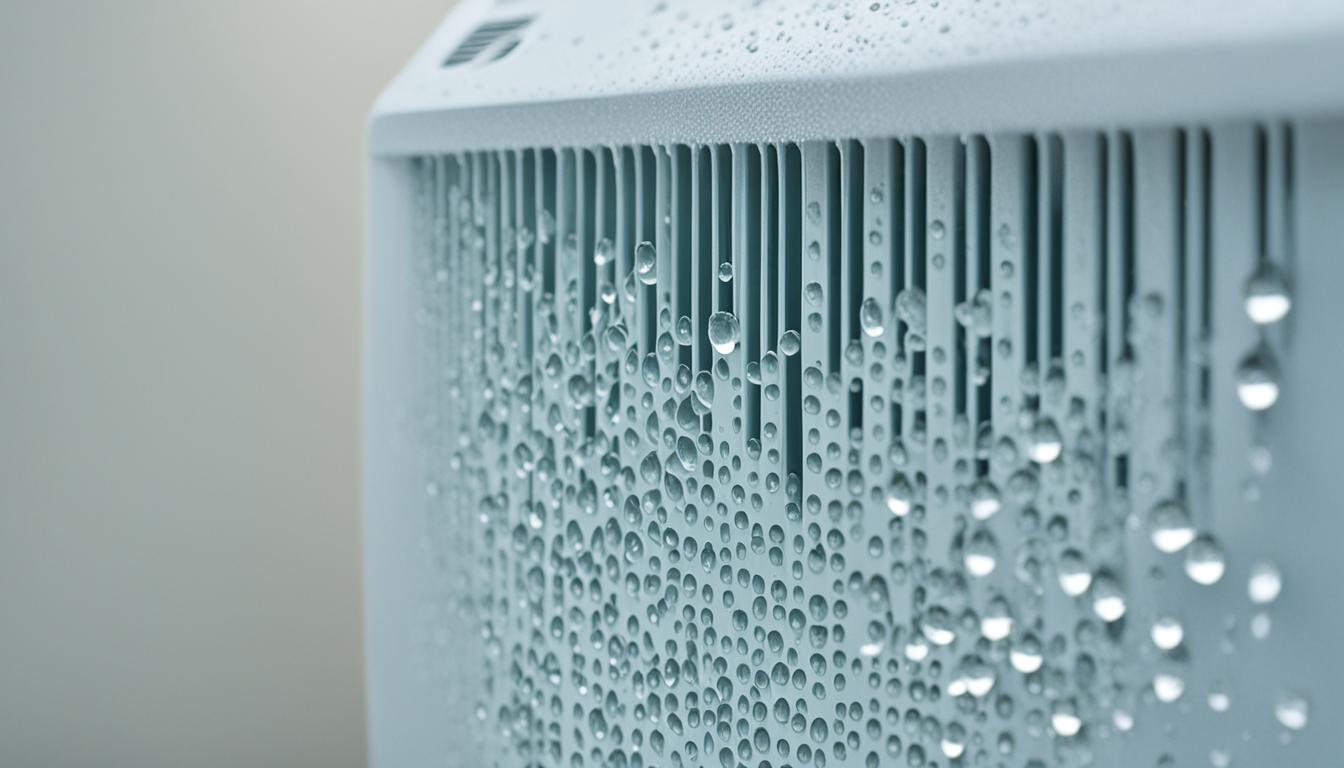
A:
(528, 72)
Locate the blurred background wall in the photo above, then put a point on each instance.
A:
(180, 246)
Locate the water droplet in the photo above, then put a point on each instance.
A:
(1170, 527)
(1291, 710)
(985, 499)
(1167, 632)
(1064, 718)
(899, 496)
(1108, 598)
(646, 263)
(870, 318)
(911, 309)
(1264, 584)
(723, 332)
(1266, 294)
(1258, 379)
(1168, 687)
(1204, 562)
(1074, 575)
(1045, 443)
(603, 252)
(981, 554)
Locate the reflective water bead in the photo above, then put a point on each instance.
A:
(1258, 379)
(1170, 527)
(723, 332)
(646, 263)
(1167, 632)
(1264, 584)
(1266, 294)
(1291, 710)
(1204, 562)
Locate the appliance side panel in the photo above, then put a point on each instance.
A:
(403, 708)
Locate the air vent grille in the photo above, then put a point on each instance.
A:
(845, 453)
(490, 41)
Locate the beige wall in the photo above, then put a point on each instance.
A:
(180, 244)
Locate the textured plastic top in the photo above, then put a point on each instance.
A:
(605, 71)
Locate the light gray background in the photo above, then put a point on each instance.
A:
(180, 244)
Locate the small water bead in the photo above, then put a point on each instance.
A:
(1266, 294)
(1064, 718)
(911, 309)
(684, 331)
(870, 318)
(937, 626)
(1170, 526)
(953, 742)
(1074, 575)
(814, 294)
(1045, 444)
(937, 229)
(1258, 379)
(1291, 710)
(604, 252)
(723, 332)
(1204, 561)
(1264, 584)
(985, 499)
(996, 622)
(981, 554)
(1167, 633)
(1168, 687)
(646, 263)
(900, 495)
(1108, 598)
(916, 650)
(977, 315)
(1219, 700)
(790, 343)
(1027, 655)
(545, 226)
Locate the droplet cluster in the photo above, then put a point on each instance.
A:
(812, 465)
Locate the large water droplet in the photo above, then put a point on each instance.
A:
(1266, 295)
(723, 332)
(1170, 527)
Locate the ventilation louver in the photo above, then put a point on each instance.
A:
(489, 42)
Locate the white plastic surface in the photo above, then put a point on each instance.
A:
(750, 70)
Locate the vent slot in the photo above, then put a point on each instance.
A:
(489, 42)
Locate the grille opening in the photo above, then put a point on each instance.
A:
(1048, 220)
(489, 42)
